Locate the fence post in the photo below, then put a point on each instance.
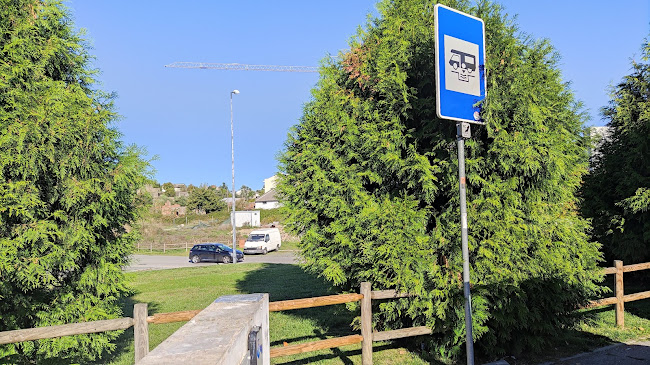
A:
(164, 247)
(140, 331)
(366, 324)
(618, 285)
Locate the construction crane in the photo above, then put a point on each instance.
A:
(242, 67)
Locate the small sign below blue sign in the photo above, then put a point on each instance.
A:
(460, 65)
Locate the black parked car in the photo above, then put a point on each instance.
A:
(217, 252)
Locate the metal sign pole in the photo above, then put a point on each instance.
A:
(462, 132)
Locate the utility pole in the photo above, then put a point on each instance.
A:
(234, 199)
(462, 132)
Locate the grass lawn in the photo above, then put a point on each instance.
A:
(195, 288)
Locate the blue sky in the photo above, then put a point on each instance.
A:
(183, 115)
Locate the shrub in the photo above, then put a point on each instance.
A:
(370, 181)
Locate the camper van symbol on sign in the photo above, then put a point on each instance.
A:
(460, 68)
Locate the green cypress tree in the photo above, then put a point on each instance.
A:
(370, 181)
(617, 191)
(204, 198)
(67, 187)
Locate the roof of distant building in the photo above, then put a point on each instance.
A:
(267, 197)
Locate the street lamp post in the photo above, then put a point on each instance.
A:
(232, 150)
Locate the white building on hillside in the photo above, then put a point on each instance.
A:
(267, 201)
(270, 183)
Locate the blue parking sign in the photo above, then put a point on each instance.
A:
(460, 65)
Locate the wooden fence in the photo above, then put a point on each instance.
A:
(139, 322)
(619, 299)
(164, 246)
(367, 336)
(141, 319)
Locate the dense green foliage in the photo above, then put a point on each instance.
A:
(370, 181)
(246, 193)
(206, 199)
(169, 190)
(223, 192)
(617, 191)
(67, 187)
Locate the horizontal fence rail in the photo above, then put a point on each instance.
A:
(183, 316)
(367, 336)
(313, 302)
(41, 333)
(315, 345)
(620, 299)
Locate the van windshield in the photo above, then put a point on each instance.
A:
(256, 237)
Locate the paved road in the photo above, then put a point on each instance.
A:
(153, 262)
(637, 352)
(631, 353)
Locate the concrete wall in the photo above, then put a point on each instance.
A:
(247, 218)
(218, 335)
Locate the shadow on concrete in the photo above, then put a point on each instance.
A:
(617, 354)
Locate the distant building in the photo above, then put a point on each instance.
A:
(247, 218)
(270, 183)
(155, 192)
(267, 201)
(229, 201)
(172, 209)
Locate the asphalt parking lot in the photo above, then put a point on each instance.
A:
(159, 262)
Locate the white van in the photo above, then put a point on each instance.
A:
(263, 240)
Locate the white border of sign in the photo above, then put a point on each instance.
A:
(438, 66)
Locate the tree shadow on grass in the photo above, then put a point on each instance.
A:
(285, 282)
(124, 342)
(633, 282)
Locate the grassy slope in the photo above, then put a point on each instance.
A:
(175, 235)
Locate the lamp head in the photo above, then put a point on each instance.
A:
(235, 92)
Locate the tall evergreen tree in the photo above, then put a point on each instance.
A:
(370, 181)
(617, 192)
(67, 187)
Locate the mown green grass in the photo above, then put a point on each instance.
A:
(195, 288)
(599, 328)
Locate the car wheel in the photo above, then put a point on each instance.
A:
(265, 251)
(227, 260)
(196, 259)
